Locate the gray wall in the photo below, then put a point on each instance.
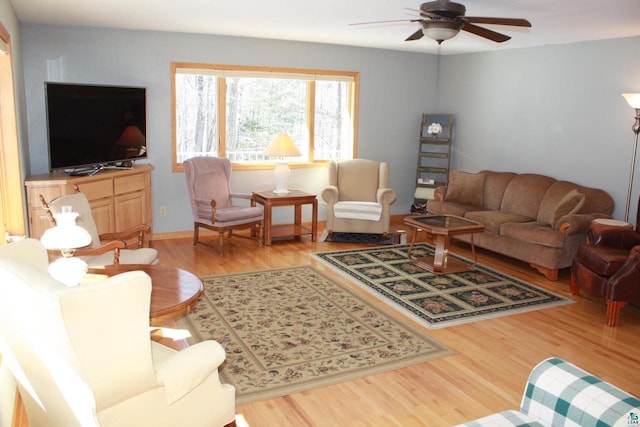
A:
(553, 110)
(395, 89)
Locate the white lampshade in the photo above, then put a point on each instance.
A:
(633, 99)
(441, 30)
(66, 236)
(282, 146)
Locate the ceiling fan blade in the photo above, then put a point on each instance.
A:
(516, 22)
(415, 36)
(386, 22)
(486, 33)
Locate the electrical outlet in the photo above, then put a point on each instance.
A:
(163, 211)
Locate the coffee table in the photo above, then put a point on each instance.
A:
(173, 291)
(440, 228)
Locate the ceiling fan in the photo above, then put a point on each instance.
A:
(443, 19)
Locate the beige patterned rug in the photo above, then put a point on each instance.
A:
(294, 329)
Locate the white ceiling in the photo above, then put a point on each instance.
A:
(327, 21)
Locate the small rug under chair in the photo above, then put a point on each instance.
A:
(437, 300)
(370, 238)
(290, 330)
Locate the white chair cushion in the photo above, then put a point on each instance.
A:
(127, 256)
(370, 211)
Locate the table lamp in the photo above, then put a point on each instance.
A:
(66, 237)
(282, 146)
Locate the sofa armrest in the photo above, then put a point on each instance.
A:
(576, 223)
(188, 368)
(330, 194)
(560, 393)
(614, 237)
(243, 196)
(439, 193)
(386, 196)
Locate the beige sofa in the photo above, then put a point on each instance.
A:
(530, 217)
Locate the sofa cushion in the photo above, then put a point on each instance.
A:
(534, 232)
(524, 194)
(450, 208)
(493, 220)
(495, 184)
(562, 198)
(465, 188)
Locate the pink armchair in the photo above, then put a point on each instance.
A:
(209, 184)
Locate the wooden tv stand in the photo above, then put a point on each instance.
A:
(120, 198)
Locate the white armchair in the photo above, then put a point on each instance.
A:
(82, 356)
(358, 197)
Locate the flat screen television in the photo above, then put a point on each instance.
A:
(95, 126)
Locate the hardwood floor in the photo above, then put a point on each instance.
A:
(486, 375)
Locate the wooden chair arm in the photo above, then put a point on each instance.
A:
(114, 245)
(213, 211)
(124, 235)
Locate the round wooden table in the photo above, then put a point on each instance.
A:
(173, 291)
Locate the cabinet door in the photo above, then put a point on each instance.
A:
(39, 220)
(103, 215)
(131, 210)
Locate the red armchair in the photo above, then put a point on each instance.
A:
(608, 265)
(624, 287)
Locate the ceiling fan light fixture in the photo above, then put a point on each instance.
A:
(441, 30)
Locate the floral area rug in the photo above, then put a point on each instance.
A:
(294, 329)
(437, 300)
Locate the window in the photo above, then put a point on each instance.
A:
(234, 112)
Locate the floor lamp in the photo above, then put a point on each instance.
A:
(634, 101)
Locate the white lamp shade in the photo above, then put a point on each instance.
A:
(65, 237)
(66, 234)
(282, 146)
(633, 99)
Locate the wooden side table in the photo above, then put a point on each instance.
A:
(295, 198)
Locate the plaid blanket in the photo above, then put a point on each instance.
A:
(559, 393)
